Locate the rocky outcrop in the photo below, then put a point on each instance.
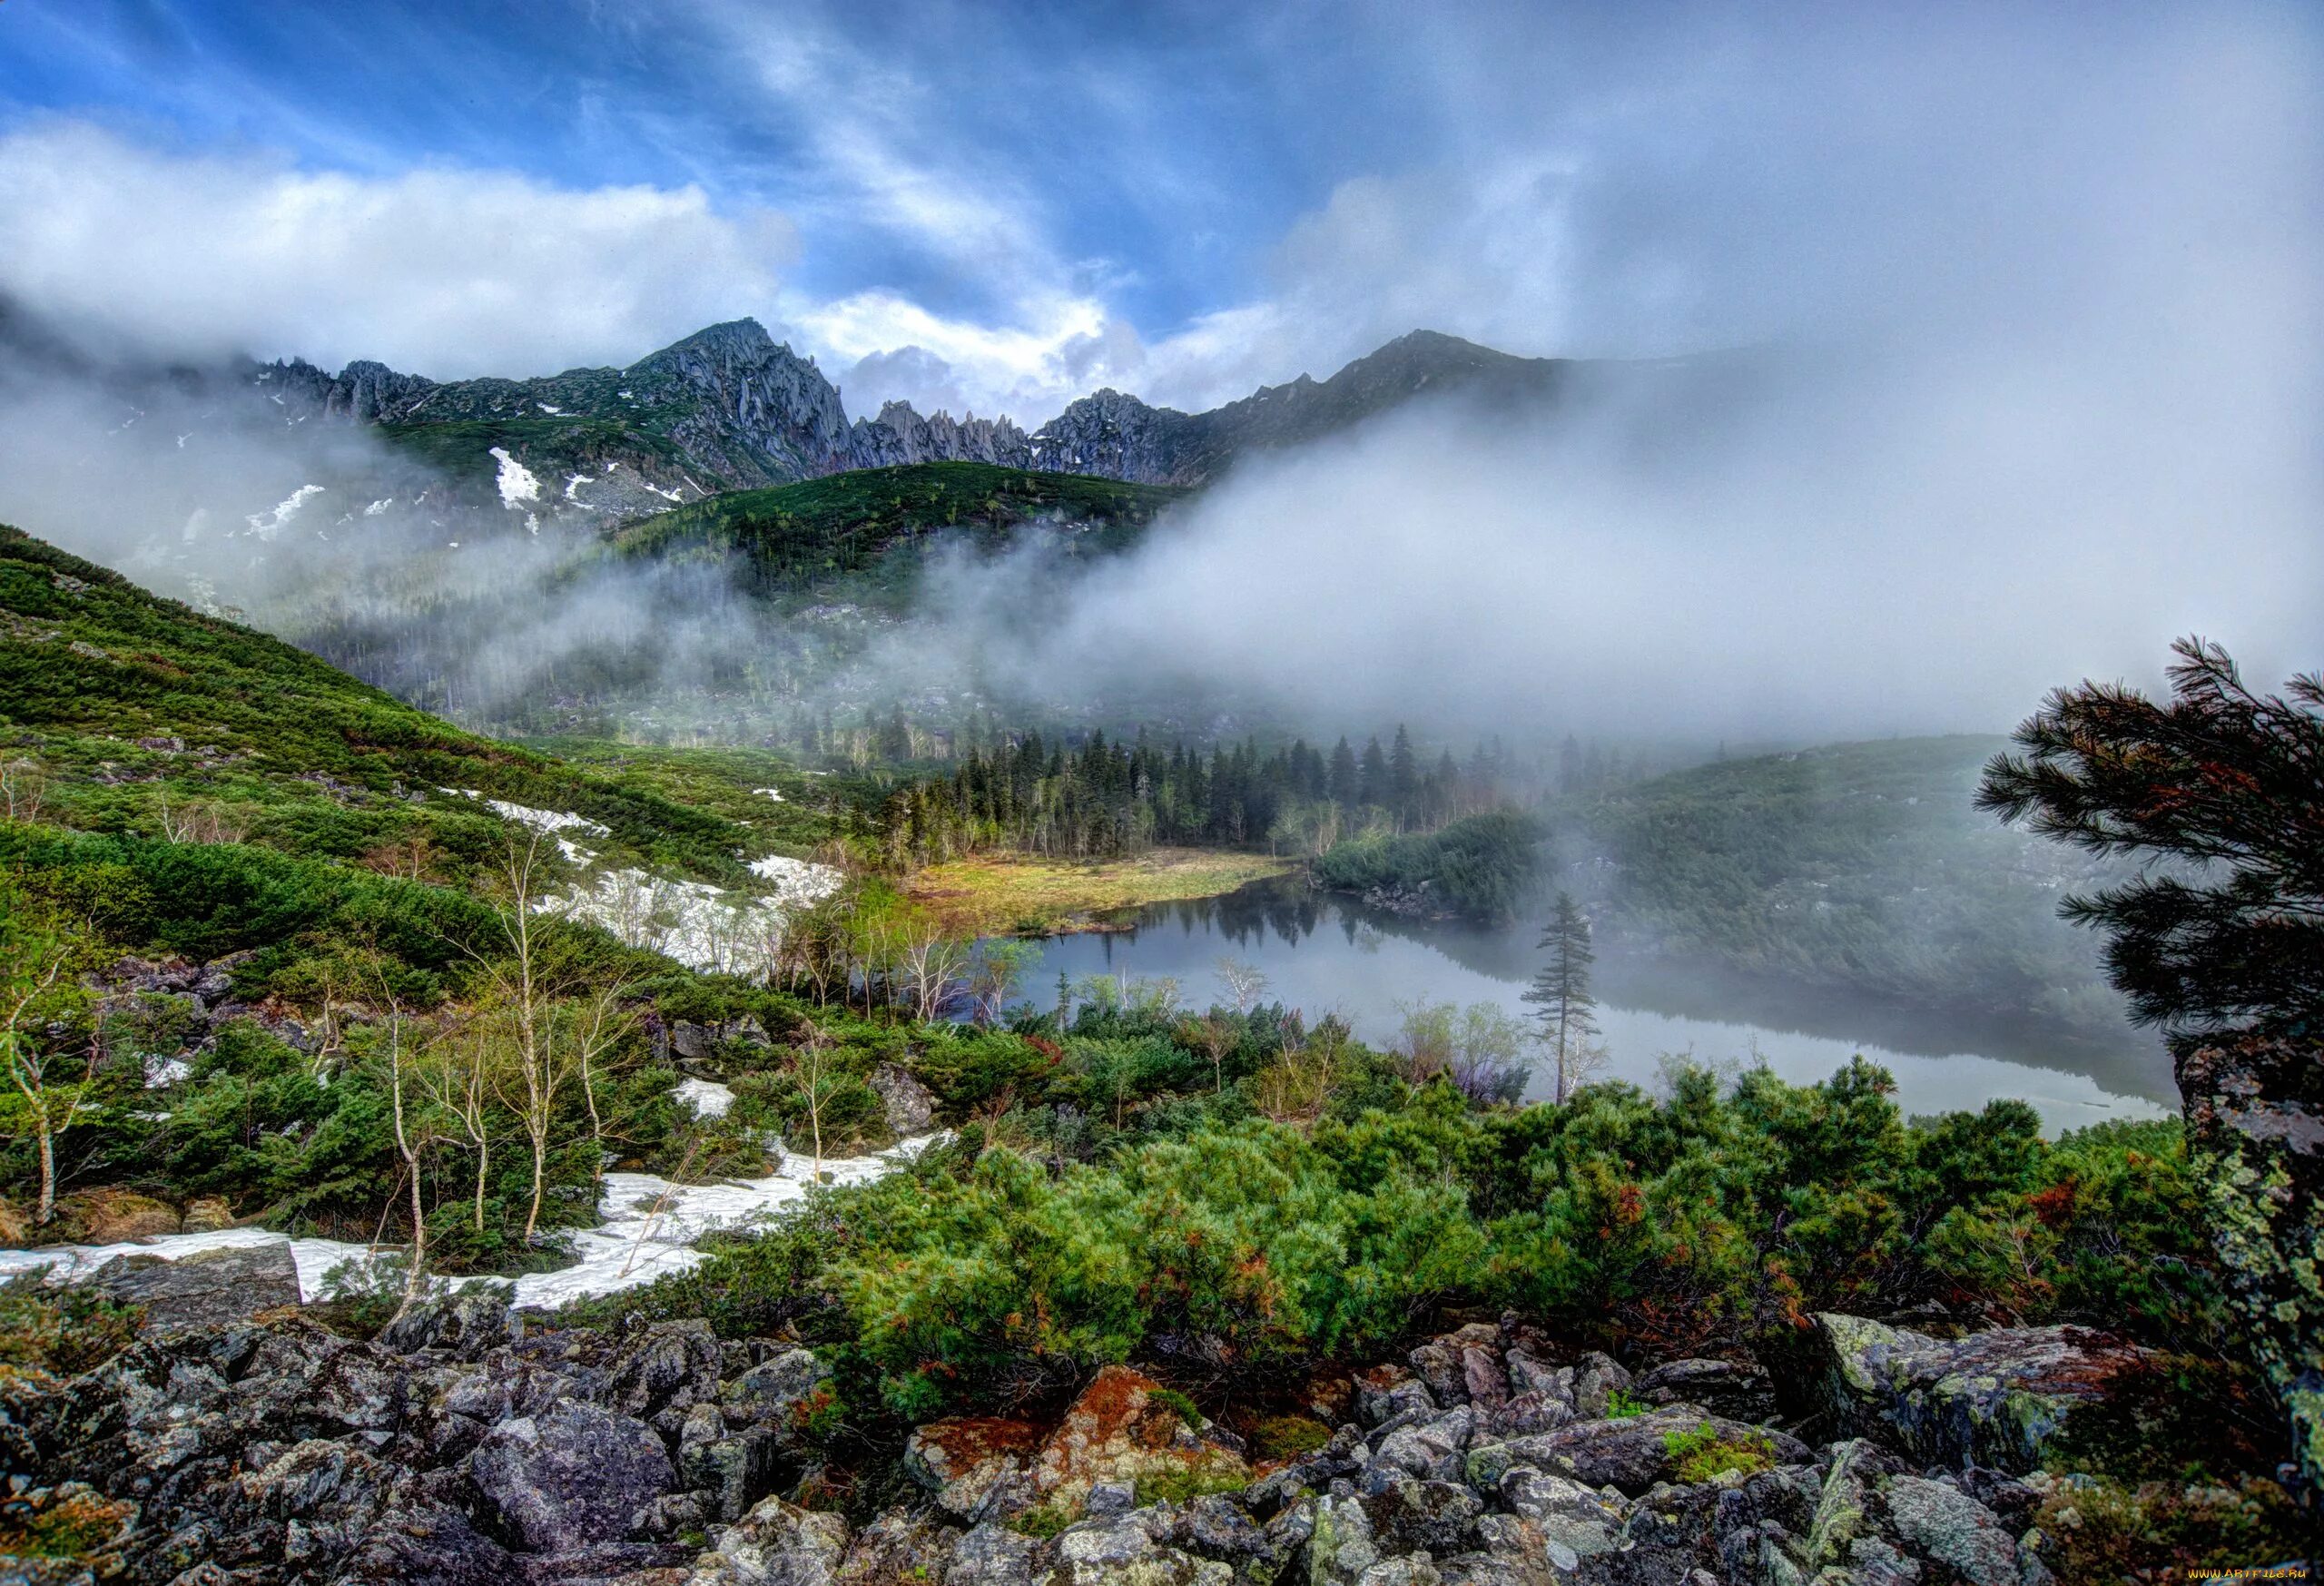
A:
(900, 436)
(2254, 1105)
(465, 1446)
(1124, 1430)
(207, 1288)
(908, 1106)
(2002, 1398)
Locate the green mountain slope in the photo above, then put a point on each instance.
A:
(797, 538)
(123, 712)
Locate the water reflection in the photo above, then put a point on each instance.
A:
(1322, 952)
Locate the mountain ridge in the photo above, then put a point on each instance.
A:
(734, 408)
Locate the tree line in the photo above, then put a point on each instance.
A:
(1105, 798)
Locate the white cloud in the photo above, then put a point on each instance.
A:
(1064, 346)
(446, 273)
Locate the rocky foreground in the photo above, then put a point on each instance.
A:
(237, 1440)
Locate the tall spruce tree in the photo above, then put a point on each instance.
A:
(1562, 990)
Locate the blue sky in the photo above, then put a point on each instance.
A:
(1006, 205)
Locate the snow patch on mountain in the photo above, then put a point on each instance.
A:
(267, 525)
(517, 482)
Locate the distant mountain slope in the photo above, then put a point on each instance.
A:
(124, 702)
(796, 535)
(1122, 437)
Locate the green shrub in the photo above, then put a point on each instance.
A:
(1701, 1455)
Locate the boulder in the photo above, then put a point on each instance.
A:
(973, 1466)
(115, 1217)
(572, 1477)
(993, 1555)
(775, 1544)
(1597, 1378)
(1632, 1454)
(206, 1289)
(1738, 1390)
(1431, 1450)
(1125, 1428)
(1570, 1521)
(909, 1106)
(1387, 1391)
(1946, 1526)
(896, 1550)
(207, 1214)
(2254, 1101)
(2000, 1398)
(664, 1369)
(464, 1325)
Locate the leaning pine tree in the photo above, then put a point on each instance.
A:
(1562, 992)
(2222, 943)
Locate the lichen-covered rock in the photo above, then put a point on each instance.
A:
(1570, 1521)
(1632, 1454)
(1738, 1390)
(1430, 1450)
(898, 1548)
(2254, 1105)
(973, 1466)
(1125, 1428)
(990, 1554)
(462, 1325)
(1597, 1378)
(908, 1106)
(1386, 1392)
(576, 1475)
(1999, 1398)
(1945, 1526)
(775, 1544)
(204, 1289)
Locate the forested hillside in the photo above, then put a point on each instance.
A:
(796, 538)
(1863, 865)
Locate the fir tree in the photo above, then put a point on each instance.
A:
(1561, 993)
(2228, 781)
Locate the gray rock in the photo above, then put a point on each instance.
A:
(432, 1543)
(463, 1325)
(775, 1544)
(1433, 1450)
(780, 1390)
(909, 1106)
(1387, 1391)
(668, 1365)
(1217, 1526)
(1523, 1414)
(1432, 1517)
(1737, 1391)
(1108, 1498)
(1530, 1374)
(1571, 1522)
(206, 1289)
(991, 1554)
(1596, 1379)
(1339, 1548)
(1946, 1526)
(576, 1475)
(1998, 1398)
(1632, 1454)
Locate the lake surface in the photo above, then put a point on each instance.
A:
(1324, 954)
